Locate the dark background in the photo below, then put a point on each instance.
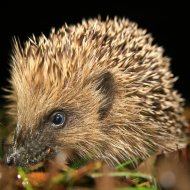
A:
(169, 26)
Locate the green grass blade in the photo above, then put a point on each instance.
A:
(123, 165)
(24, 178)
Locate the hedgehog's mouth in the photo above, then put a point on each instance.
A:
(40, 165)
(40, 159)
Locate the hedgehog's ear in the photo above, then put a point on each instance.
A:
(106, 87)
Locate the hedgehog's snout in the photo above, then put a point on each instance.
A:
(29, 151)
(24, 157)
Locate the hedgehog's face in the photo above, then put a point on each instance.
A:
(39, 144)
(69, 120)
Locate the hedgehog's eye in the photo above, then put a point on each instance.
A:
(57, 119)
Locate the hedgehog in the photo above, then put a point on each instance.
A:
(99, 89)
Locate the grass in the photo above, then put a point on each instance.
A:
(22, 175)
(85, 175)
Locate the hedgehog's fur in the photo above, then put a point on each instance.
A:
(114, 85)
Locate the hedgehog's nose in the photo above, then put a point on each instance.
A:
(9, 160)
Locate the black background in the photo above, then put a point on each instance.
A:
(169, 25)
